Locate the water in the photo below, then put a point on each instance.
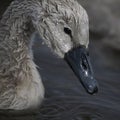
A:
(65, 97)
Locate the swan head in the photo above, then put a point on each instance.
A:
(64, 28)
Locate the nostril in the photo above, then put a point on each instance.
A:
(84, 66)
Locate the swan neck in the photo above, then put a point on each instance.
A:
(16, 23)
(16, 30)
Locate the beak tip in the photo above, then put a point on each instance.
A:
(93, 90)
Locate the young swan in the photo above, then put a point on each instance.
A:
(63, 24)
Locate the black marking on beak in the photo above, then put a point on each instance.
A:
(79, 61)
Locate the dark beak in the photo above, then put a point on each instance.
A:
(79, 60)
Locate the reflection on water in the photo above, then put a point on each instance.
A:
(65, 98)
(79, 108)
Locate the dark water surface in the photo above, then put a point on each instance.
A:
(65, 98)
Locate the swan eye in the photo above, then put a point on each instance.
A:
(68, 31)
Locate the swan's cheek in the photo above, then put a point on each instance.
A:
(64, 44)
(66, 48)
